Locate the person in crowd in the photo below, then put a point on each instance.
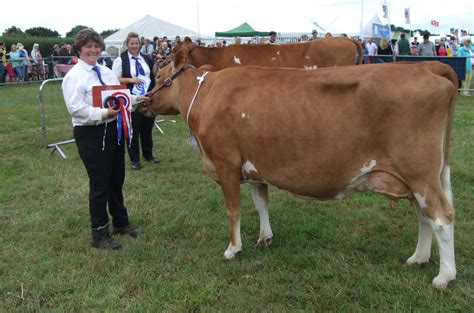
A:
(96, 135)
(426, 48)
(147, 48)
(218, 44)
(414, 50)
(272, 40)
(237, 41)
(371, 47)
(453, 46)
(3, 62)
(135, 70)
(17, 64)
(66, 54)
(157, 61)
(442, 48)
(165, 49)
(403, 45)
(394, 46)
(105, 60)
(415, 41)
(26, 60)
(314, 34)
(385, 48)
(177, 39)
(467, 51)
(37, 66)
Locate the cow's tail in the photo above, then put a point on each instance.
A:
(446, 171)
(359, 51)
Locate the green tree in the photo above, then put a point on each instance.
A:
(42, 32)
(12, 31)
(75, 30)
(108, 32)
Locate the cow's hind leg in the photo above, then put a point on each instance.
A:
(230, 184)
(425, 236)
(260, 200)
(436, 211)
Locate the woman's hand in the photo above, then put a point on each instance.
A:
(144, 99)
(111, 112)
(136, 80)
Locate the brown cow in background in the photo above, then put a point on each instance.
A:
(327, 52)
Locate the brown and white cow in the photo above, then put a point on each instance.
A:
(323, 134)
(327, 52)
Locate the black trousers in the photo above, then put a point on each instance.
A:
(104, 160)
(142, 127)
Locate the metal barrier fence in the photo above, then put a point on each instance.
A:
(55, 145)
(61, 122)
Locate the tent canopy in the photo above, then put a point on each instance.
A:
(148, 27)
(244, 30)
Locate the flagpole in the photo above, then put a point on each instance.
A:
(361, 19)
(199, 31)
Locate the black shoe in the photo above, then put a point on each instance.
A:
(153, 160)
(101, 239)
(136, 166)
(130, 230)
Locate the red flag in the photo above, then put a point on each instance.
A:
(434, 23)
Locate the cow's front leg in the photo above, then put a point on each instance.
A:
(230, 184)
(260, 200)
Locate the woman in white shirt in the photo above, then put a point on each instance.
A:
(95, 132)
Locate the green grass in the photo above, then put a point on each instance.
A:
(327, 256)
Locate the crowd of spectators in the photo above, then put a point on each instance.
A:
(17, 65)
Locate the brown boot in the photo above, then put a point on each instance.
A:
(101, 239)
(130, 230)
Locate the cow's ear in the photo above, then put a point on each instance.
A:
(180, 58)
(187, 40)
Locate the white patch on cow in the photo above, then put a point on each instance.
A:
(273, 59)
(307, 57)
(444, 234)
(243, 115)
(446, 182)
(310, 67)
(236, 60)
(368, 168)
(232, 250)
(248, 167)
(421, 200)
(278, 52)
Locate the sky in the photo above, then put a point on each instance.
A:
(207, 16)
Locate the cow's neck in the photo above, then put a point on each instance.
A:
(187, 84)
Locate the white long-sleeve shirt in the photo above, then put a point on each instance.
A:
(77, 91)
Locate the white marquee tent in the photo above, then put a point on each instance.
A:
(148, 27)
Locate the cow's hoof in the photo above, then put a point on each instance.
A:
(415, 260)
(442, 281)
(264, 242)
(231, 252)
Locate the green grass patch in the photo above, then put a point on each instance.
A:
(327, 256)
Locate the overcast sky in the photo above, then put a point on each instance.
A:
(208, 16)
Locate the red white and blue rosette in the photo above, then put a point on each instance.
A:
(124, 120)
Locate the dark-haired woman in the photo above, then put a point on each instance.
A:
(95, 132)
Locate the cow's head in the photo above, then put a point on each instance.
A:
(164, 97)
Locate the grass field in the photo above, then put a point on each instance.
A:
(344, 256)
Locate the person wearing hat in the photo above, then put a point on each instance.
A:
(467, 51)
(273, 38)
(314, 34)
(426, 48)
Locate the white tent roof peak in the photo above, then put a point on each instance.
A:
(149, 27)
